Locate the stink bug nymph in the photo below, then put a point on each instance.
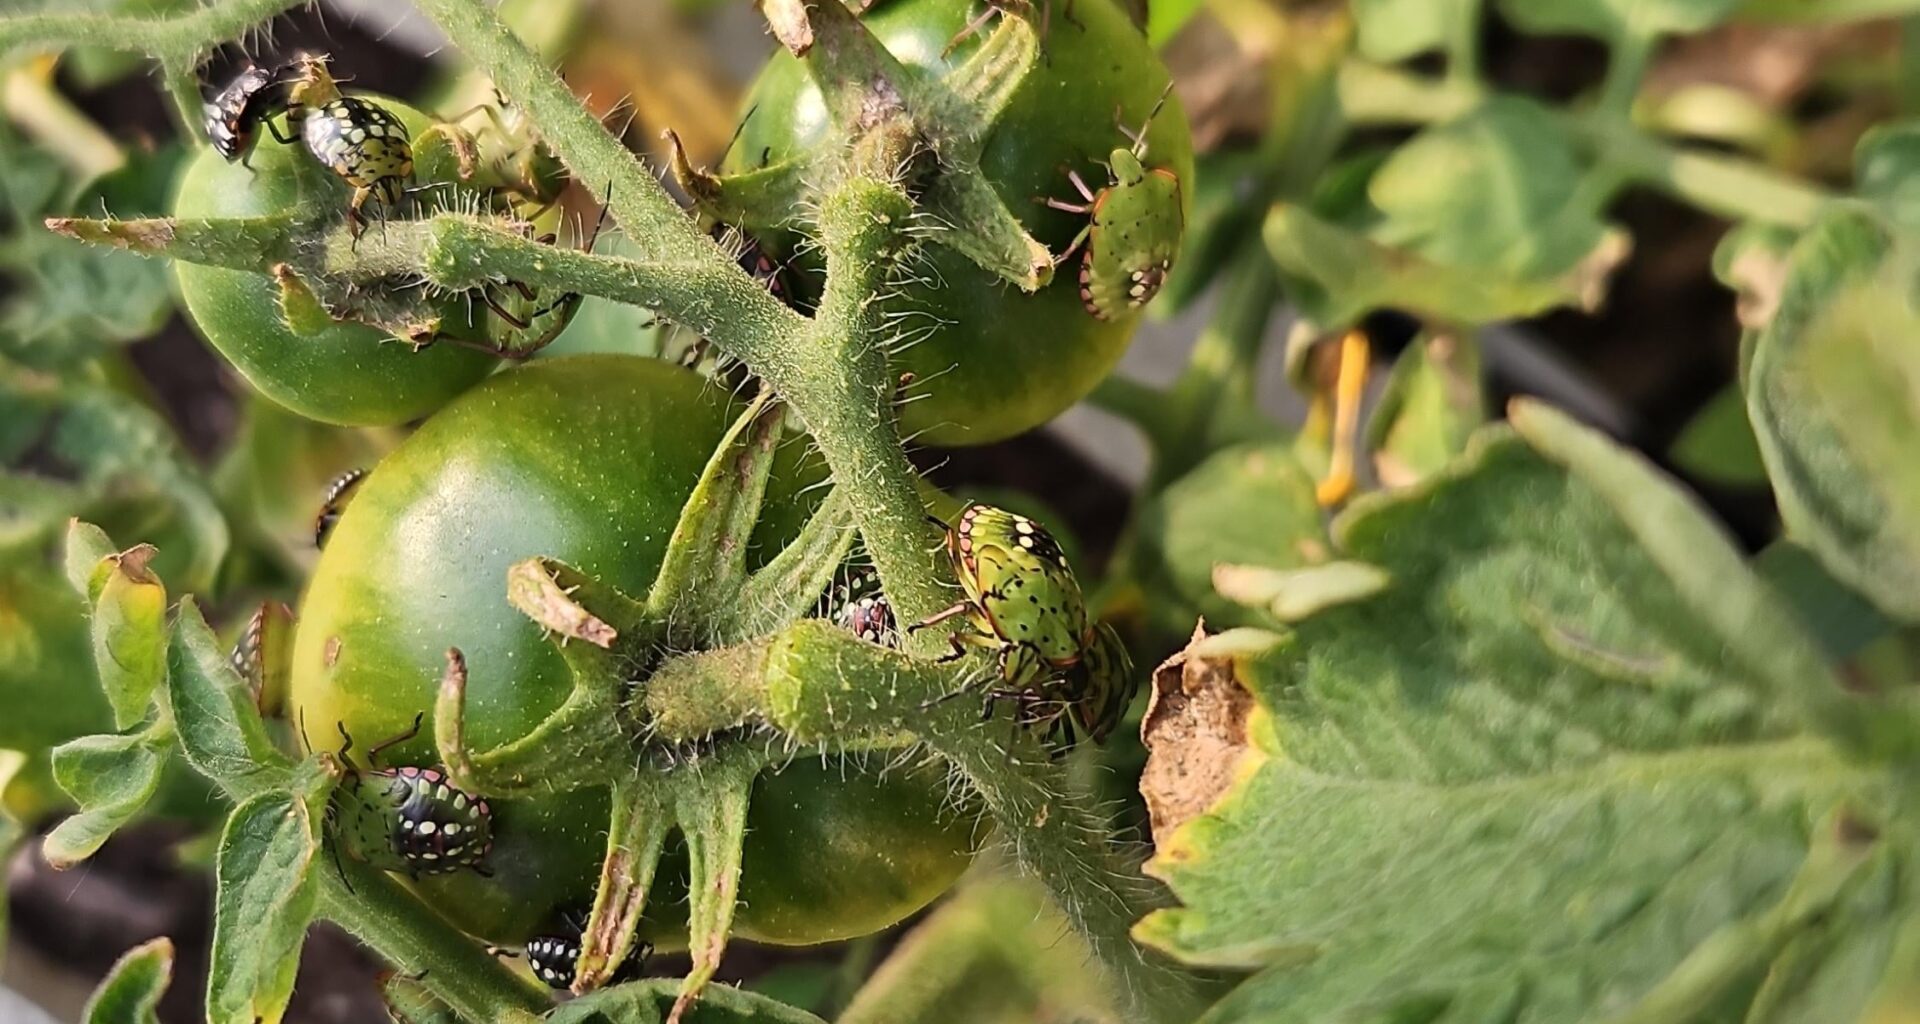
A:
(361, 142)
(339, 492)
(1133, 230)
(409, 819)
(235, 114)
(859, 606)
(555, 959)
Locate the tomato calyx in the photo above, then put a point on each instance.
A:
(889, 123)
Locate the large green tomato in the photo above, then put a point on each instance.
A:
(587, 459)
(347, 374)
(1000, 361)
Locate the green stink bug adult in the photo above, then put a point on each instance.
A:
(408, 819)
(1133, 229)
(359, 141)
(1059, 668)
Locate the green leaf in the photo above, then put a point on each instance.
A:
(1832, 12)
(1886, 169)
(131, 991)
(87, 547)
(264, 903)
(1841, 619)
(1249, 505)
(127, 461)
(1393, 30)
(1831, 391)
(648, 1001)
(221, 732)
(130, 633)
(996, 951)
(1564, 768)
(1434, 400)
(79, 300)
(1166, 18)
(111, 778)
(1615, 20)
(1503, 188)
(1341, 276)
(1717, 445)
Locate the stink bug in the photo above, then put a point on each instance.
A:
(858, 605)
(555, 958)
(339, 492)
(1057, 666)
(235, 113)
(359, 141)
(409, 819)
(1133, 229)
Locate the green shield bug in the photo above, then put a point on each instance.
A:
(1057, 666)
(1133, 229)
(408, 819)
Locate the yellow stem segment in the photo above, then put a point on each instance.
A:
(1349, 388)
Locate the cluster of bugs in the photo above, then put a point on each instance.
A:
(1133, 228)
(361, 142)
(408, 819)
(1058, 667)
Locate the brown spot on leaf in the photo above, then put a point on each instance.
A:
(134, 561)
(1195, 730)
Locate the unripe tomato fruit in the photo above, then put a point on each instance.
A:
(1000, 361)
(348, 374)
(586, 459)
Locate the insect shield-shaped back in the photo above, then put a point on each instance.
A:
(555, 958)
(858, 605)
(358, 140)
(1133, 232)
(339, 493)
(410, 819)
(234, 116)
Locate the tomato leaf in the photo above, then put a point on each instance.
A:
(1615, 20)
(648, 1002)
(130, 633)
(1717, 444)
(1393, 30)
(1832, 393)
(264, 903)
(1339, 276)
(131, 991)
(1434, 400)
(1248, 505)
(220, 729)
(1541, 220)
(111, 778)
(1568, 765)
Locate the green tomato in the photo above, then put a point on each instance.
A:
(586, 459)
(348, 374)
(1002, 362)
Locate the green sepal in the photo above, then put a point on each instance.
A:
(572, 746)
(705, 561)
(789, 586)
(643, 815)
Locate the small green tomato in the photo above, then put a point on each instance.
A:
(1133, 230)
